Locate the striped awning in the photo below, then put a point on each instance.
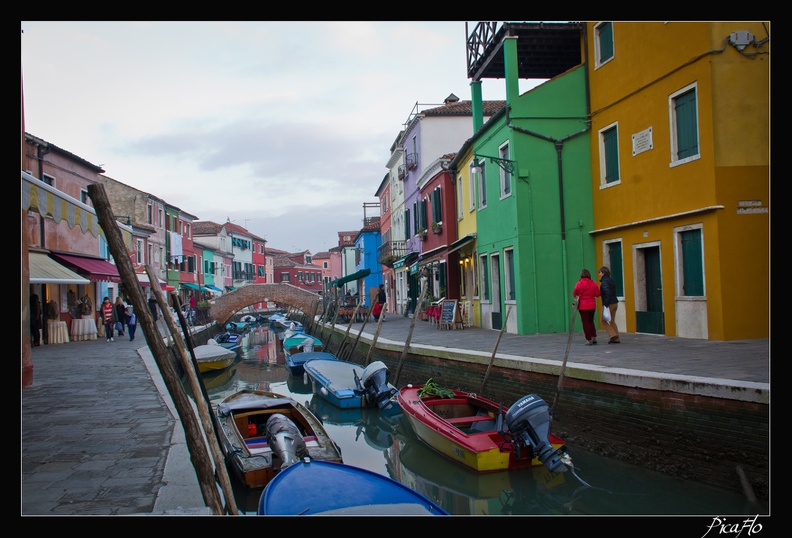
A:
(95, 269)
(45, 270)
(50, 202)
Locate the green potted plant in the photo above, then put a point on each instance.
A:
(436, 228)
(422, 233)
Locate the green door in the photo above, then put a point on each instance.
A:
(651, 320)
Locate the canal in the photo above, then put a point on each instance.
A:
(387, 445)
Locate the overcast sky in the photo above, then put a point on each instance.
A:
(282, 127)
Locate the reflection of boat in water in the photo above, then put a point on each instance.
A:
(218, 380)
(377, 427)
(298, 385)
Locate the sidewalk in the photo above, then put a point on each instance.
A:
(100, 435)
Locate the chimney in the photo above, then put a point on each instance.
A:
(451, 99)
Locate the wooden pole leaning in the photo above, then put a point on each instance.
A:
(494, 351)
(376, 337)
(409, 334)
(193, 433)
(575, 307)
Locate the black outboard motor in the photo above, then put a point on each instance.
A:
(529, 419)
(285, 440)
(375, 384)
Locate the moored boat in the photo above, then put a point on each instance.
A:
(301, 343)
(482, 434)
(295, 362)
(323, 488)
(213, 357)
(345, 384)
(262, 433)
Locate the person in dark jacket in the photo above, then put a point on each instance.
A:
(120, 314)
(152, 305)
(611, 302)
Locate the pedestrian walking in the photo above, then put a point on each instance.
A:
(132, 325)
(120, 314)
(379, 307)
(610, 302)
(35, 320)
(587, 291)
(108, 317)
(152, 304)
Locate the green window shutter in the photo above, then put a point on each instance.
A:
(610, 145)
(424, 223)
(605, 38)
(686, 124)
(407, 233)
(692, 263)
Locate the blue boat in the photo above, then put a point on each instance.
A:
(325, 488)
(230, 340)
(348, 385)
(296, 361)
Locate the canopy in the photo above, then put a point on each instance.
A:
(213, 288)
(195, 287)
(45, 270)
(405, 260)
(95, 269)
(349, 278)
(459, 243)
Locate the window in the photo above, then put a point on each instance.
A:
(423, 220)
(509, 269)
(692, 262)
(161, 218)
(285, 277)
(482, 186)
(505, 177)
(460, 214)
(84, 197)
(437, 206)
(150, 256)
(683, 110)
(139, 251)
(472, 187)
(299, 276)
(407, 232)
(49, 180)
(148, 214)
(609, 154)
(484, 277)
(603, 43)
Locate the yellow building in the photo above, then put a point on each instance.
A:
(680, 123)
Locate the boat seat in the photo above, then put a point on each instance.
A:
(470, 419)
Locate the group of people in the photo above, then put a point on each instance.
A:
(586, 292)
(117, 316)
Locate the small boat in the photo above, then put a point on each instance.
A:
(213, 357)
(230, 340)
(482, 434)
(262, 433)
(345, 384)
(296, 361)
(323, 488)
(301, 343)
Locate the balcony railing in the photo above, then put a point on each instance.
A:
(390, 252)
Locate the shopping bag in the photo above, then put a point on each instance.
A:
(606, 317)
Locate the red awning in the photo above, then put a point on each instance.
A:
(94, 269)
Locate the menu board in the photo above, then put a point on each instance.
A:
(448, 315)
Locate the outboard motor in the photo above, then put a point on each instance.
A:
(285, 440)
(529, 419)
(375, 384)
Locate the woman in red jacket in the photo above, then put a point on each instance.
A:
(587, 291)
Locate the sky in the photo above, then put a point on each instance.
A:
(281, 127)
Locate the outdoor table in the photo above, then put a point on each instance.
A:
(83, 329)
(58, 332)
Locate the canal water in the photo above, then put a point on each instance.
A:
(387, 445)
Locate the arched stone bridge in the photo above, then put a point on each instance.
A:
(228, 304)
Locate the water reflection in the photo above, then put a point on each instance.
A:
(387, 445)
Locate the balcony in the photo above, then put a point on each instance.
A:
(411, 160)
(401, 172)
(391, 251)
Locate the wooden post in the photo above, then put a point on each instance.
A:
(376, 337)
(409, 335)
(575, 307)
(193, 433)
(494, 350)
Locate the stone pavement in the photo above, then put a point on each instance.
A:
(100, 435)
